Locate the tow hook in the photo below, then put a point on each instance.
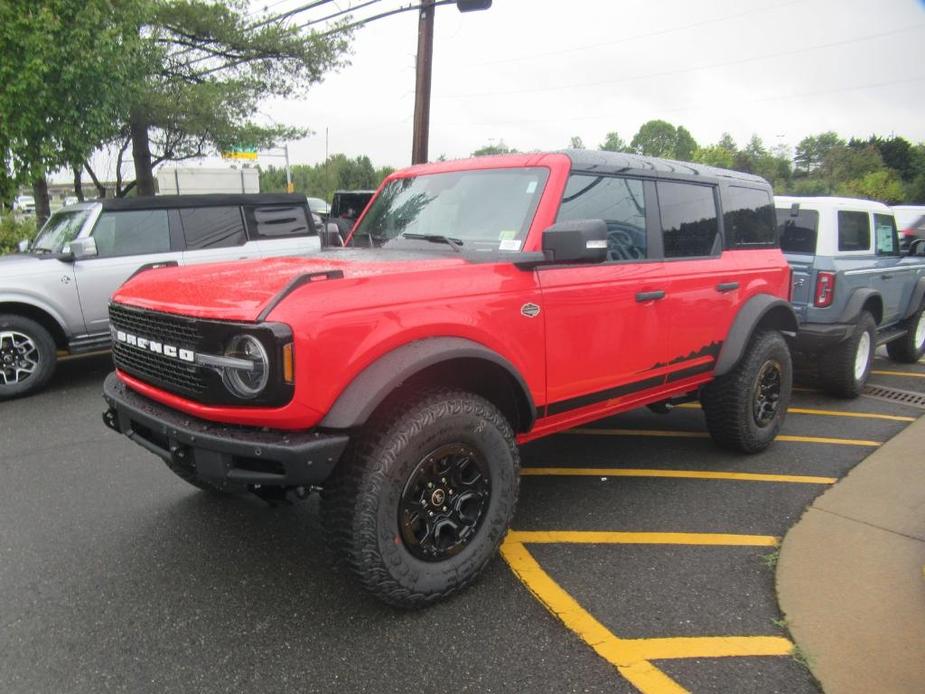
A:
(111, 420)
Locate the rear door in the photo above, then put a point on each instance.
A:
(126, 240)
(278, 230)
(705, 285)
(894, 281)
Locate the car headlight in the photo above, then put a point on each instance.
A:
(248, 380)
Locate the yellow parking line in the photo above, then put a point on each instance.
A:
(828, 413)
(677, 474)
(913, 374)
(631, 657)
(703, 435)
(597, 537)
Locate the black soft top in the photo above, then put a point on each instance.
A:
(634, 164)
(161, 202)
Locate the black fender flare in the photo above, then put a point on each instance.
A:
(855, 305)
(917, 300)
(780, 315)
(374, 384)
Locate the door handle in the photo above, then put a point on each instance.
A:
(642, 297)
(724, 287)
(886, 277)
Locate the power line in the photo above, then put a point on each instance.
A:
(680, 71)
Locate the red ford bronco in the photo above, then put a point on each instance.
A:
(477, 305)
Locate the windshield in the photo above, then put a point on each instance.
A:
(61, 228)
(483, 210)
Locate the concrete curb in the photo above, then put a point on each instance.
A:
(850, 575)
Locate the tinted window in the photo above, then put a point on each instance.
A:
(885, 234)
(212, 227)
(853, 231)
(274, 221)
(748, 215)
(618, 201)
(689, 222)
(797, 230)
(135, 232)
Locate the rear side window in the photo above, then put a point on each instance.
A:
(853, 231)
(276, 221)
(885, 233)
(212, 227)
(690, 226)
(748, 216)
(618, 201)
(131, 232)
(797, 230)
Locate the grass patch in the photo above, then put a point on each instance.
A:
(770, 560)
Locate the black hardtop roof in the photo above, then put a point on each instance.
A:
(161, 202)
(623, 163)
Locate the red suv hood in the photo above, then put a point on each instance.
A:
(240, 290)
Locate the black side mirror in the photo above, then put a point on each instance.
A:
(578, 241)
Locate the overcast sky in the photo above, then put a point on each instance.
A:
(536, 72)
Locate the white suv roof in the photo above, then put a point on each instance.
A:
(832, 203)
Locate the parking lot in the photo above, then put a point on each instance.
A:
(642, 557)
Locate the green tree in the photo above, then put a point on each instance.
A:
(883, 185)
(339, 172)
(812, 150)
(658, 138)
(492, 148)
(714, 155)
(685, 144)
(614, 143)
(727, 143)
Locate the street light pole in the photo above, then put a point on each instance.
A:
(422, 83)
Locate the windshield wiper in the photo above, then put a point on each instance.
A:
(455, 244)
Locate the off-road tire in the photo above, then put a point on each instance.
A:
(905, 349)
(728, 400)
(45, 347)
(837, 365)
(360, 502)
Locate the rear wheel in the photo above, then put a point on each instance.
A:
(745, 408)
(422, 501)
(27, 356)
(843, 370)
(910, 347)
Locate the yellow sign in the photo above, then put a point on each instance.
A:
(240, 153)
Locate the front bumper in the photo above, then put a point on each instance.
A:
(812, 338)
(219, 454)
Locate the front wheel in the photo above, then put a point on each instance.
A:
(27, 356)
(422, 501)
(745, 408)
(910, 347)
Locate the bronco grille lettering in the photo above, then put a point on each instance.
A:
(148, 345)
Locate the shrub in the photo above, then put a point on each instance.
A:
(13, 230)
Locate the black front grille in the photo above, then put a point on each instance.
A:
(166, 372)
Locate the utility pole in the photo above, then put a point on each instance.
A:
(425, 56)
(422, 83)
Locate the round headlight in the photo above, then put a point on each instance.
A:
(247, 383)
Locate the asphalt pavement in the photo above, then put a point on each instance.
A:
(642, 557)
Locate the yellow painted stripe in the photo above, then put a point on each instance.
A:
(677, 474)
(598, 537)
(716, 646)
(631, 657)
(703, 435)
(913, 374)
(828, 413)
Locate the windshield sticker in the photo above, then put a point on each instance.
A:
(531, 187)
(509, 245)
(507, 235)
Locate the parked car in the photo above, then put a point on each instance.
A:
(910, 220)
(70, 200)
(24, 205)
(94, 247)
(478, 304)
(853, 288)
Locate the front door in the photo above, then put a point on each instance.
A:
(894, 282)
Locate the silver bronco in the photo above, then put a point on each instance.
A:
(54, 295)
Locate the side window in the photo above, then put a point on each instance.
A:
(212, 227)
(797, 229)
(131, 232)
(748, 216)
(885, 233)
(853, 231)
(276, 221)
(618, 201)
(690, 226)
